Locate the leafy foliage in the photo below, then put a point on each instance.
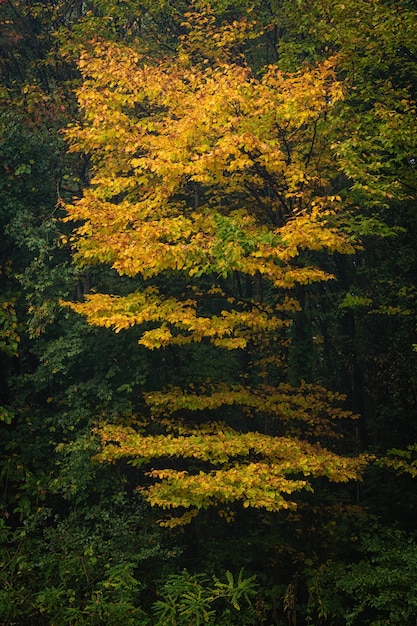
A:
(203, 169)
(187, 599)
(247, 217)
(371, 591)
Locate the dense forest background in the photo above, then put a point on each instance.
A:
(208, 303)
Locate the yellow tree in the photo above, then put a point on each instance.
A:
(217, 179)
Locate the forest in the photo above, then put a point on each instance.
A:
(208, 312)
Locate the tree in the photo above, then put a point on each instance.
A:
(211, 188)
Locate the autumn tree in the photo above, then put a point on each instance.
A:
(211, 188)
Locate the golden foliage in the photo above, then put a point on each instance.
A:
(204, 169)
(258, 470)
